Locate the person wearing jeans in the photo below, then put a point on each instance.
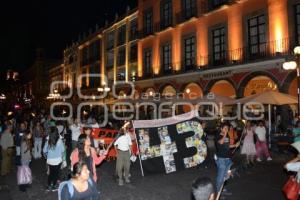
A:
(38, 140)
(223, 156)
(54, 150)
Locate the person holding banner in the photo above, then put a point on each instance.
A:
(85, 153)
(123, 147)
(223, 156)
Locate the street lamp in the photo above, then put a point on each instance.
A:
(292, 65)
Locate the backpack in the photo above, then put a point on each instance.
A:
(70, 187)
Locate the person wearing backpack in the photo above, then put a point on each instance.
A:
(54, 150)
(80, 186)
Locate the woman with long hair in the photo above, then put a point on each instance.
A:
(85, 153)
(248, 147)
(54, 150)
(38, 139)
(81, 186)
(88, 131)
(26, 149)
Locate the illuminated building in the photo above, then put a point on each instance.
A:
(232, 48)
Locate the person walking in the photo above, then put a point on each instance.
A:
(248, 147)
(6, 143)
(18, 140)
(88, 131)
(81, 186)
(26, 150)
(38, 140)
(123, 146)
(75, 132)
(223, 156)
(85, 153)
(54, 150)
(261, 143)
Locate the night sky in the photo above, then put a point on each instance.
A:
(49, 24)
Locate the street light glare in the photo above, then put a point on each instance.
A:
(291, 65)
(297, 50)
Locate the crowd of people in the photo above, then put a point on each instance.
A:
(66, 146)
(69, 145)
(251, 144)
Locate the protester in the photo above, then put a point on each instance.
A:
(26, 148)
(75, 131)
(38, 140)
(60, 128)
(18, 139)
(203, 189)
(223, 156)
(81, 186)
(88, 131)
(123, 146)
(94, 123)
(7, 143)
(232, 133)
(261, 143)
(48, 123)
(85, 153)
(54, 151)
(248, 147)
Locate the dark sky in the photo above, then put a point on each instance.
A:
(50, 24)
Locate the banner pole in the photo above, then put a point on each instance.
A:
(138, 147)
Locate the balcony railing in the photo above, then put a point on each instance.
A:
(145, 32)
(160, 26)
(266, 51)
(207, 6)
(248, 54)
(185, 15)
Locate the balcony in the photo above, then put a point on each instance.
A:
(207, 6)
(266, 51)
(185, 15)
(162, 25)
(145, 32)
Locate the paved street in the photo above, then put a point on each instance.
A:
(263, 181)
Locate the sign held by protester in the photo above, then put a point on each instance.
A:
(171, 144)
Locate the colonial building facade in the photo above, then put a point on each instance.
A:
(104, 57)
(191, 47)
(231, 48)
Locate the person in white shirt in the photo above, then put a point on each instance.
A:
(61, 129)
(94, 123)
(123, 148)
(261, 143)
(76, 131)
